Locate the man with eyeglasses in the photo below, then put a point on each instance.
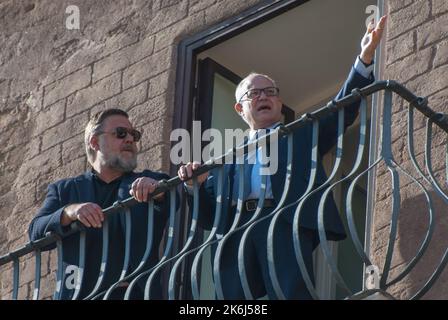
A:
(259, 104)
(111, 148)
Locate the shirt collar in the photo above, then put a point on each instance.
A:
(97, 178)
(253, 132)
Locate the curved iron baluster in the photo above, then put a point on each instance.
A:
(139, 276)
(353, 233)
(234, 228)
(195, 265)
(191, 234)
(428, 162)
(396, 200)
(411, 150)
(60, 272)
(189, 239)
(425, 243)
(350, 217)
(275, 214)
(37, 274)
(349, 212)
(217, 259)
(185, 252)
(241, 248)
(321, 209)
(127, 250)
(167, 249)
(297, 214)
(435, 275)
(149, 240)
(386, 152)
(104, 254)
(249, 225)
(308, 194)
(169, 245)
(16, 274)
(82, 264)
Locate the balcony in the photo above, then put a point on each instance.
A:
(181, 269)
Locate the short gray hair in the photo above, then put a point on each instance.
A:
(95, 124)
(240, 88)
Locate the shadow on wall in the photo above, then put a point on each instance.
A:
(412, 228)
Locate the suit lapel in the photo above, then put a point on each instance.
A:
(84, 188)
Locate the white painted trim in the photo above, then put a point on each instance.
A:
(374, 143)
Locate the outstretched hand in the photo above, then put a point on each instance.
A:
(371, 39)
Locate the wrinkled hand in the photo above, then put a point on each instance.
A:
(89, 214)
(371, 39)
(185, 172)
(142, 187)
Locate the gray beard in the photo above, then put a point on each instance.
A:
(117, 163)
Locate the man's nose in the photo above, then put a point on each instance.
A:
(262, 95)
(129, 138)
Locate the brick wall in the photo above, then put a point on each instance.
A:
(416, 55)
(52, 79)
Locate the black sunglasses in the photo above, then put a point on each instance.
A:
(122, 132)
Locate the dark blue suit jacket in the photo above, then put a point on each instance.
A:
(80, 189)
(300, 172)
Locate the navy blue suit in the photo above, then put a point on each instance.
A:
(287, 267)
(80, 190)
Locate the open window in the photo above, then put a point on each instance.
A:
(308, 47)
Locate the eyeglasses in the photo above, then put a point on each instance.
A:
(122, 132)
(256, 93)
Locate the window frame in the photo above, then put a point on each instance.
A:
(186, 91)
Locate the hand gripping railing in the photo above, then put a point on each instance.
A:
(274, 217)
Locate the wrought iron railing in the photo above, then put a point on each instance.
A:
(190, 250)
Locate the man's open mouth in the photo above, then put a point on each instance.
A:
(262, 108)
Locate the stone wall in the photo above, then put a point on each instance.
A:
(52, 79)
(416, 55)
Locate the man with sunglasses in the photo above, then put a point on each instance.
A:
(259, 104)
(111, 148)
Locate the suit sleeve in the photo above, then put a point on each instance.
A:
(49, 216)
(328, 126)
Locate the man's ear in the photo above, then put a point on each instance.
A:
(239, 108)
(94, 144)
